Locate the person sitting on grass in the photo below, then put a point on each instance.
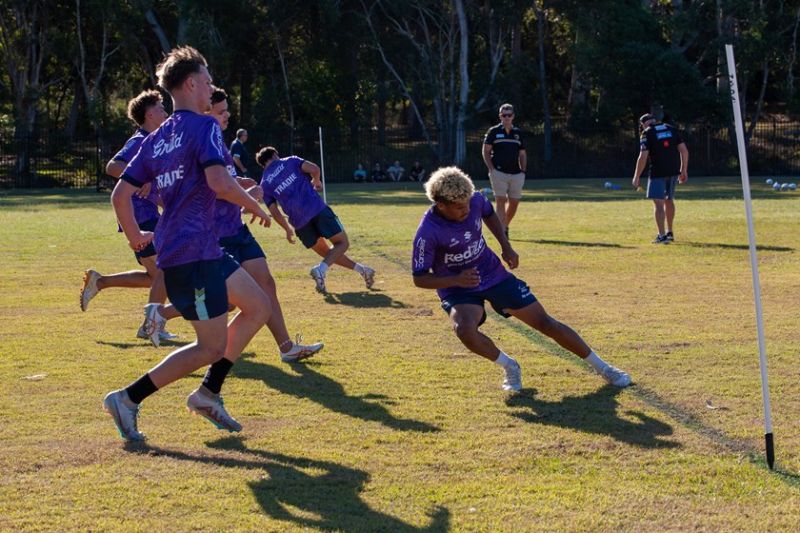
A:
(293, 183)
(396, 171)
(451, 256)
(360, 173)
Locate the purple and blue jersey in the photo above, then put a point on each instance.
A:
(283, 181)
(447, 248)
(228, 216)
(174, 158)
(144, 209)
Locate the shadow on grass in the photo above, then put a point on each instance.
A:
(364, 299)
(593, 413)
(142, 343)
(310, 493)
(323, 390)
(759, 247)
(573, 243)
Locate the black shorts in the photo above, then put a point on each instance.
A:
(149, 250)
(197, 290)
(326, 224)
(511, 293)
(242, 246)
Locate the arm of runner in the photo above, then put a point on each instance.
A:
(281, 221)
(115, 167)
(496, 227)
(523, 160)
(226, 188)
(121, 200)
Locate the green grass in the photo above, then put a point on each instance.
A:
(394, 426)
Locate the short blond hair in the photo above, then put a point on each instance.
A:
(507, 107)
(449, 184)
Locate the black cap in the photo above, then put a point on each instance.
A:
(644, 118)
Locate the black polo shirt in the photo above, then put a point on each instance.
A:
(661, 142)
(505, 148)
(238, 150)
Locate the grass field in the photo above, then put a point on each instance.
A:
(394, 426)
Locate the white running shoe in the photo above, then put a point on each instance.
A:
(615, 376)
(369, 276)
(89, 289)
(319, 279)
(211, 407)
(300, 351)
(164, 335)
(125, 414)
(513, 381)
(153, 323)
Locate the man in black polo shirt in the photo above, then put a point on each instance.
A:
(669, 163)
(241, 157)
(505, 157)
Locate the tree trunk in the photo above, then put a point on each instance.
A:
(541, 21)
(578, 91)
(463, 59)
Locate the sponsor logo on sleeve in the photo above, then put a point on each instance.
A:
(419, 255)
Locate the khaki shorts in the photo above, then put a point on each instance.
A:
(507, 184)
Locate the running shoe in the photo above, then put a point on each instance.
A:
(211, 407)
(125, 414)
(89, 289)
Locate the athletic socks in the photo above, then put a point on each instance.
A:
(215, 375)
(141, 389)
(323, 268)
(503, 359)
(359, 268)
(598, 364)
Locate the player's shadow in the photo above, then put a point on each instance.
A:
(142, 344)
(595, 412)
(310, 493)
(573, 243)
(327, 392)
(759, 247)
(365, 299)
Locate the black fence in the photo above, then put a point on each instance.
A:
(51, 160)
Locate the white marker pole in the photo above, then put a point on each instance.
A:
(762, 351)
(322, 166)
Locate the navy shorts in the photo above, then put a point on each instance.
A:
(511, 293)
(326, 224)
(661, 188)
(149, 250)
(197, 290)
(242, 246)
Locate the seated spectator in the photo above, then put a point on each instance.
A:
(360, 173)
(417, 172)
(396, 171)
(377, 173)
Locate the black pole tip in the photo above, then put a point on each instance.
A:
(770, 450)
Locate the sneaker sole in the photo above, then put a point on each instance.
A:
(214, 422)
(86, 277)
(296, 358)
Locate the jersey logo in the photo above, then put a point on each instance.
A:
(419, 260)
(467, 235)
(454, 242)
(162, 147)
(501, 135)
(666, 144)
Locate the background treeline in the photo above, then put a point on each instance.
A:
(437, 70)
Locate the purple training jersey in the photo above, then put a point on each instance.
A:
(228, 216)
(447, 248)
(174, 158)
(283, 181)
(144, 209)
